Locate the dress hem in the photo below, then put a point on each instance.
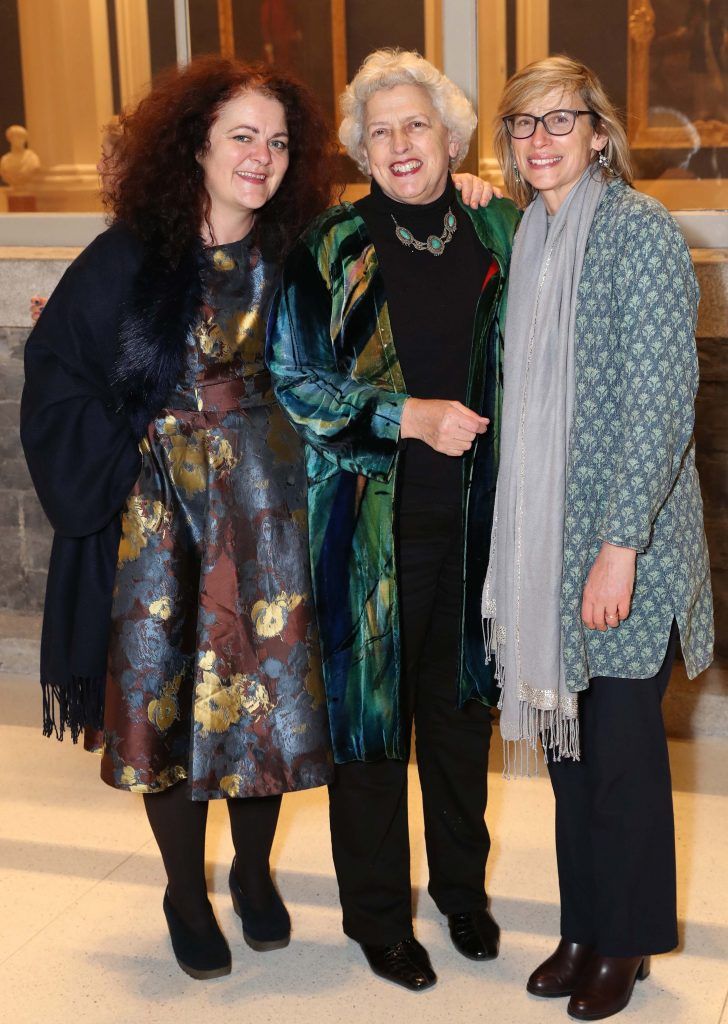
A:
(325, 778)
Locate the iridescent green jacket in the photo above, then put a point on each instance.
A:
(337, 377)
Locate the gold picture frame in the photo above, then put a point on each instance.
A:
(226, 35)
(712, 132)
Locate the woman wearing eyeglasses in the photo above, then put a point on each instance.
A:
(598, 561)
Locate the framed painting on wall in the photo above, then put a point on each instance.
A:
(677, 93)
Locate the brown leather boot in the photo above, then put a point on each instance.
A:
(605, 986)
(557, 976)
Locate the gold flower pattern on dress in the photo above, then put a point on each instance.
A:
(257, 700)
(270, 617)
(222, 260)
(232, 785)
(221, 703)
(128, 776)
(217, 707)
(162, 608)
(141, 518)
(214, 670)
(239, 337)
(164, 710)
(250, 696)
(220, 453)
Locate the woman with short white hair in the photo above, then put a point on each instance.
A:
(385, 354)
(385, 69)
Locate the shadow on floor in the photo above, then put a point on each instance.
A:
(304, 889)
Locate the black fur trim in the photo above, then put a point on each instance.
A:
(153, 335)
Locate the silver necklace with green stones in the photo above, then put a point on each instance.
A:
(435, 244)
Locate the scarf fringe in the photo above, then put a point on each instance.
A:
(495, 646)
(552, 729)
(74, 706)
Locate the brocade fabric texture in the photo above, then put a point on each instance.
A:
(214, 671)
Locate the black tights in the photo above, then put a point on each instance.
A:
(179, 823)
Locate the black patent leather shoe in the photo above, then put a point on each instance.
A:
(201, 954)
(405, 963)
(559, 974)
(475, 935)
(266, 929)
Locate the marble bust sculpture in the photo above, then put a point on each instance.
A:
(20, 164)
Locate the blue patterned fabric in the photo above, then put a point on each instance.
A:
(214, 668)
(631, 475)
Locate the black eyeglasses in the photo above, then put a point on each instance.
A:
(556, 122)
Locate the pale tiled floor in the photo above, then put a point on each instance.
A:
(82, 937)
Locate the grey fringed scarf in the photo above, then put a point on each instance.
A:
(521, 596)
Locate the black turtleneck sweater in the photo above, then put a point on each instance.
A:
(431, 302)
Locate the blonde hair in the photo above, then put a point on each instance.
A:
(387, 68)
(533, 82)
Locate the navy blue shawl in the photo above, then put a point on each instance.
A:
(99, 364)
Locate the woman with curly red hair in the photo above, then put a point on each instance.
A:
(178, 629)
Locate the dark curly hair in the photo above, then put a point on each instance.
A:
(156, 184)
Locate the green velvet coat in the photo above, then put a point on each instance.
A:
(337, 377)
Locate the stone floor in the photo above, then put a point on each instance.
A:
(82, 935)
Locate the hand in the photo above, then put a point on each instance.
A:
(37, 305)
(608, 588)
(475, 191)
(448, 427)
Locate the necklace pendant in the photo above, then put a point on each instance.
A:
(435, 244)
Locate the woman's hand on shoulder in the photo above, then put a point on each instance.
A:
(448, 427)
(608, 589)
(475, 192)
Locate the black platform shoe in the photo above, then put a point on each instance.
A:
(475, 935)
(405, 963)
(263, 930)
(201, 954)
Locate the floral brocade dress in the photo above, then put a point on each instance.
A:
(214, 669)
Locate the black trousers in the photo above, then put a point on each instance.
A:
(615, 835)
(368, 801)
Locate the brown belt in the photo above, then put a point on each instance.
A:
(234, 393)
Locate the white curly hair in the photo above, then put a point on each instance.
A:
(386, 68)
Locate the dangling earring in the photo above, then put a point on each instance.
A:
(603, 160)
(516, 173)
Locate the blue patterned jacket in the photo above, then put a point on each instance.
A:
(631, 476)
